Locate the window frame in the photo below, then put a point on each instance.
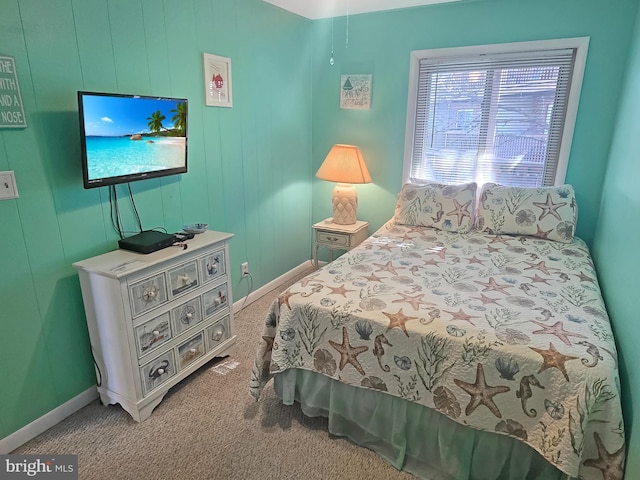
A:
(581, 46)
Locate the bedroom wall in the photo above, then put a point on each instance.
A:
(241, 179)
(249, 166)
(615, 249)
(380, 44)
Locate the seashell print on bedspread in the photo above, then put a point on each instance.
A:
(502, 333)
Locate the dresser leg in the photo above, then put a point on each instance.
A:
(145, 412)
(140, 414)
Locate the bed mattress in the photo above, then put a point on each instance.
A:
(506, 334)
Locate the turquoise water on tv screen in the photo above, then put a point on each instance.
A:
(116, 156)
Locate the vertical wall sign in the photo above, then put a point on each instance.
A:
(11, 109)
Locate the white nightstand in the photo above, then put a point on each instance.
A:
(338, 237)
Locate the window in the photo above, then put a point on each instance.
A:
(496, 113)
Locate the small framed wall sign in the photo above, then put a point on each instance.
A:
(355, 92)
(11, 108)
(217, 80)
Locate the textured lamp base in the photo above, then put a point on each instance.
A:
(345, 204)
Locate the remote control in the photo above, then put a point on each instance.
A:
(182, 236)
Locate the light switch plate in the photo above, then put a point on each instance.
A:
(8, 188)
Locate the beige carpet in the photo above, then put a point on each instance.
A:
(208, 427)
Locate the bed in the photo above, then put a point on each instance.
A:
(458, 341)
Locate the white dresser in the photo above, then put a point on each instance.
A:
(154, 319)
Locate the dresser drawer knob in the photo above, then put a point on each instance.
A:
(192, 350)
(217, 334)
(161, 371)
(156, 333)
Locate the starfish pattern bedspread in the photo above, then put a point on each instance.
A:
(507, 334)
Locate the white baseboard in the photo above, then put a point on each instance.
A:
(48, 420)
(253, 296)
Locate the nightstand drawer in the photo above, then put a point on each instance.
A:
(334, 239)
(337, 237)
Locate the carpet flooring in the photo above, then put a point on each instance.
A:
(208, 427)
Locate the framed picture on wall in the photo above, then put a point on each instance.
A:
(355, 92)
(217, 80)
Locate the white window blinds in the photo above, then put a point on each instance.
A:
(496, 117)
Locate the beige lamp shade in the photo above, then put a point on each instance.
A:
(344, 165)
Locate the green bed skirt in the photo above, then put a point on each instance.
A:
(411, 437)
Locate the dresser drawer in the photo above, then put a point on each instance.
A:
(186, 315)
(191, 350)
(334, 239)
(215, 300)
(157, 371)
(212, 266)
(218, 333)
(183, 278)
(147, 294)
(150, 335)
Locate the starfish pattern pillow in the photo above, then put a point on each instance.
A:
(445, 207)
(546, 212)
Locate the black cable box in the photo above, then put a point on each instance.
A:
(147, 242)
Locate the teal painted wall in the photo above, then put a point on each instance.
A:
(616, 253)
(240, 178)
(380, 44)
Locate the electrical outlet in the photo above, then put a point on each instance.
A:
(245, 269)
(8, 188)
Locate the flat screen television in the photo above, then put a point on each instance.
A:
(125, 138)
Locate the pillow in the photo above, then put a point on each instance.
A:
(445, 207)
(546, 212)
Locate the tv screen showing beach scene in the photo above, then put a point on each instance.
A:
(131, 137)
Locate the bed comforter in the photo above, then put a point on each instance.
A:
(507, 334)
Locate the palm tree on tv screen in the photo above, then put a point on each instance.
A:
(180, 118)
(155, 121)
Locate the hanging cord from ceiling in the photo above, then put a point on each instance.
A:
(346, 43)
(331, 60)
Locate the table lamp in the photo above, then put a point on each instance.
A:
(344, 165)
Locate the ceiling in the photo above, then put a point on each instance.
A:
(315, 9)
